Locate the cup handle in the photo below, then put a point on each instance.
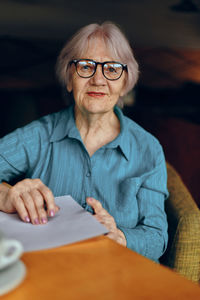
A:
(13, 250)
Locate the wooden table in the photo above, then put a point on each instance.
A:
(98, 269)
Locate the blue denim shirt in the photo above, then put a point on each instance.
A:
(128, 175)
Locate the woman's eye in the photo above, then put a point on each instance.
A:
(112, 70)
(86, 68)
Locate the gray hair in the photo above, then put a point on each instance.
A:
(115, 41)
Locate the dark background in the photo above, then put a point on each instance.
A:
(165, 36)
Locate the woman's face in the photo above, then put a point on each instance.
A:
(95, 94)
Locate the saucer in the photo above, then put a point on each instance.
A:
(12, 276)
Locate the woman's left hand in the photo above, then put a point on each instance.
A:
(107, 220)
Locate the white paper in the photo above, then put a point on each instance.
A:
(71, 224)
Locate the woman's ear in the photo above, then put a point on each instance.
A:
(123, 90)
(122, 93)
(69, 82)
(69, 85)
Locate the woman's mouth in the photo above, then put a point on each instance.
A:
(96, 94)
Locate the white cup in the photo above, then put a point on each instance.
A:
(10, 251)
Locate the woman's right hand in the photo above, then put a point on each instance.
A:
(30, 198)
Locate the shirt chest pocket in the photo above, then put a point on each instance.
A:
(126, 205)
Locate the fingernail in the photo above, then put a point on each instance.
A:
(90, 199)
(36, 221)
(57, 208)
(44, 220)
(51, 213)
(27, 219)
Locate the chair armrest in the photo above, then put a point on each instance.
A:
(183, 251)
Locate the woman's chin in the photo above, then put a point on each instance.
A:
(95, 107)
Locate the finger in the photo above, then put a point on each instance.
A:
(95, 204)
(48, 198)
(107, 221)
(57, 208)
(98, 218)
(43, 216)
(39, 205)
(18, 203)
(30, 206)
(101, 218)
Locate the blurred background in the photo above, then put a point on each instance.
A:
(165, 37)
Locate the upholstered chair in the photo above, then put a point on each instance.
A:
(183, 251)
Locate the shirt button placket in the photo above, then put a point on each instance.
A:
(87, 184)
(88, 174)
(89, 168)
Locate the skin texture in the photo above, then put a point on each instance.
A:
(95, 99)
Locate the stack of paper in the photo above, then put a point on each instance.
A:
(71, 224)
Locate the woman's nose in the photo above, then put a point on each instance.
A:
(98, 77)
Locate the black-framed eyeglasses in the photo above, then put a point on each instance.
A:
(86, 68)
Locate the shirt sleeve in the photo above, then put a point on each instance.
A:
(13, 159)
(149, 237)
(21, 149)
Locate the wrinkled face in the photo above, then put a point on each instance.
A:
(95, 94)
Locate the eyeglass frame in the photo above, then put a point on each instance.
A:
(75, 61)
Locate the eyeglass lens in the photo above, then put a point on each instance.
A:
(87, 68)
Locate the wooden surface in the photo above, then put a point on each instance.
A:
(98, 269)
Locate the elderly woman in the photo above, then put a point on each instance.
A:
(90, 150)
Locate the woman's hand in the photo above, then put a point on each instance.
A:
(28, 198)
(107, 220)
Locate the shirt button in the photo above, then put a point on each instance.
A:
(88, 174)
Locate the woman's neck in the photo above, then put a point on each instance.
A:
(97, 130)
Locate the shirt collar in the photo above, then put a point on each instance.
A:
(66, 126)
(121, 140)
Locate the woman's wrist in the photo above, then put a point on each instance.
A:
(4, 188)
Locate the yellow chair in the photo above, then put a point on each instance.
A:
(183, 251)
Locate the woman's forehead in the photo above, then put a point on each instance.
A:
(97, 48)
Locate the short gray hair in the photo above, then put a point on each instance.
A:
(115, 41)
